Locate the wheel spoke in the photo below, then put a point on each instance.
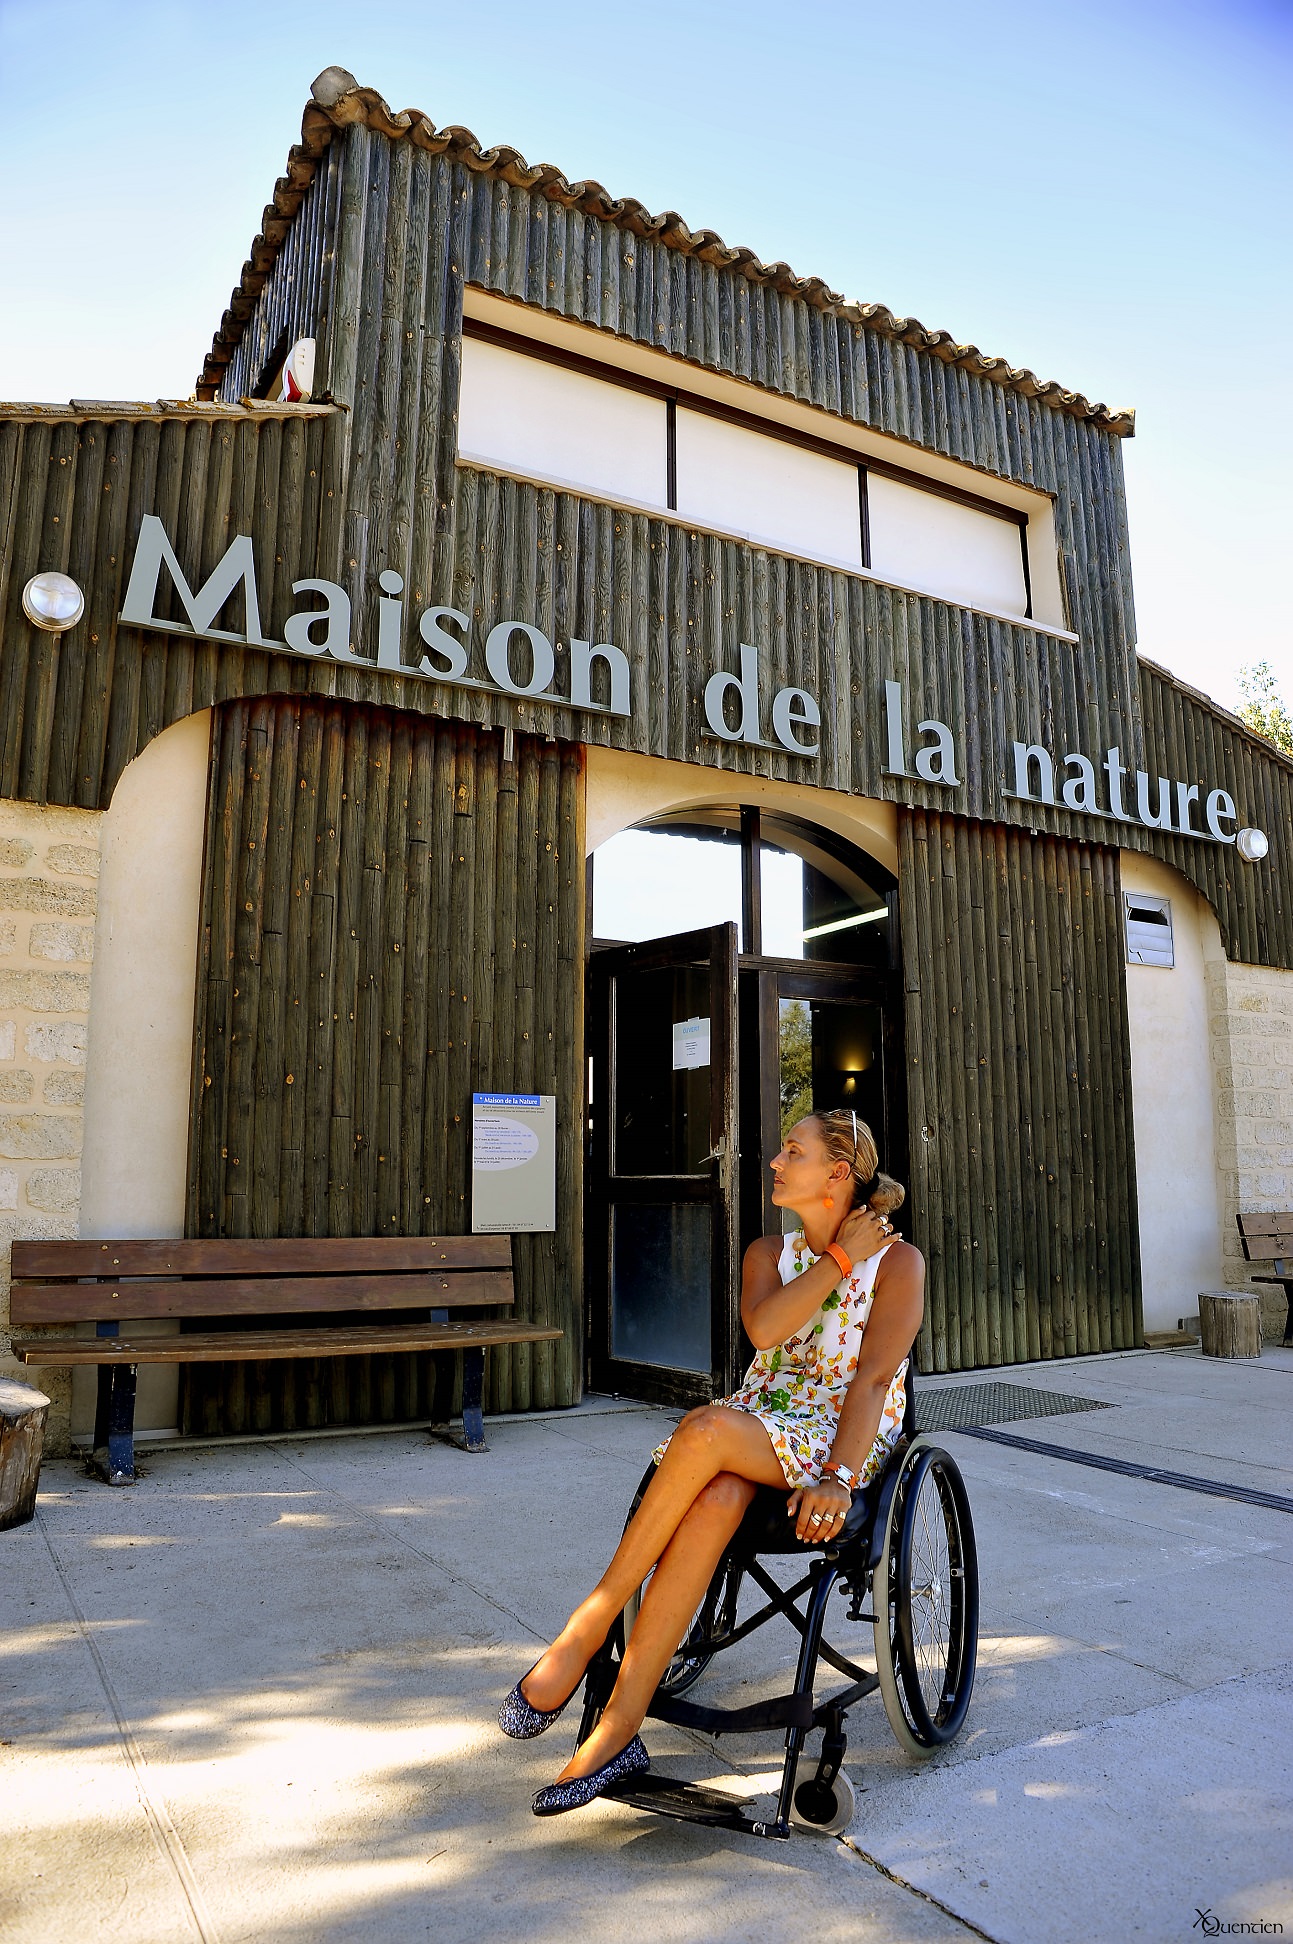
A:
(932, 1604)
(930, 1614)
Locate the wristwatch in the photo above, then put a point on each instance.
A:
(849, 1479)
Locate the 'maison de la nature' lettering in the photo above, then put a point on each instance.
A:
(520, 661)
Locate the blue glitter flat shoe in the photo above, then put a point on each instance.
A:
(560, 1796)
(522, 1722)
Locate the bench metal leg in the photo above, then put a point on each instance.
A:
(473, 1385)
(113, 1456)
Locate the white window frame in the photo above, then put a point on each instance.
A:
(552, 338)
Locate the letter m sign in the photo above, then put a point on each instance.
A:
(155, 551)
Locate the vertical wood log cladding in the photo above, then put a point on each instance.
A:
(392, 920)
(1019, 1090)
(1196, 743)
(416, 227)
(293, 300)
(346, 494)
(74, 710)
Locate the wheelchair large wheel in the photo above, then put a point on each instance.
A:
(717, 1611)
(925, 1592)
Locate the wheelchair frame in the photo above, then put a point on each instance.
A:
(876, 1560)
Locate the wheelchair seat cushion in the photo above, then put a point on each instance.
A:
(768, 1528)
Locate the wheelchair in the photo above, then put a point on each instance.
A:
(907, 1544)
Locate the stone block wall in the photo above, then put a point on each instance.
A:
(49, 867)
(1250, 1011)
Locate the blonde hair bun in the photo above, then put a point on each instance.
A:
(838, 1128)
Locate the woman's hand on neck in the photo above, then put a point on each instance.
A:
(822, 1225)
(866, 1232)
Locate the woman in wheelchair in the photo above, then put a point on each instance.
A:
(832, 1309)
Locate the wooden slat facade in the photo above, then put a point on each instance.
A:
(375, 263)
(74, 710)
(1023, 1173)
(293, 299)
(392, 920)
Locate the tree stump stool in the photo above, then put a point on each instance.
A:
(1230, 1324)
(22, 1436)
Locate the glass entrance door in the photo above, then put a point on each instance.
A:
(807, 1016)
(812, 1040)
(661, 1238)
(830, 1053)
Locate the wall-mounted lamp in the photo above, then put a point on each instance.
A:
(1252, 845)
(53, 602)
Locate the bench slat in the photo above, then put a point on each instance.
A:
(281, 1255)
(252, 1345)
(265, 1295)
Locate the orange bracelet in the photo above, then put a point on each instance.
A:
(838, 1257)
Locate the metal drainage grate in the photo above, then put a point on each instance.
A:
(964, 1404)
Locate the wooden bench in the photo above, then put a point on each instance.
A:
(386, 1292)
(1269, 1238)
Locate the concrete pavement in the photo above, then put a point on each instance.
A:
(253, 1698)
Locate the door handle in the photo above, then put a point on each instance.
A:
(719, 1151)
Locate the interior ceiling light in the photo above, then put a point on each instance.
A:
(847, 924)
(53, 602)
(1252, 845)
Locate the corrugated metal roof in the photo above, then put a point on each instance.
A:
(338, 101)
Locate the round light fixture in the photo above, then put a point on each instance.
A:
(1252, 845)
(53, 602)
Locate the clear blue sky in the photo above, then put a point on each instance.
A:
(1099, 191)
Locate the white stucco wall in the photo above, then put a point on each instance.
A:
(919, 540)
(138, 1074)
(1173, 1105)
(734, 480)
(623, 789)
(539, 419)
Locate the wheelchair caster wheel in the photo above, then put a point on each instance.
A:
(824, 1808)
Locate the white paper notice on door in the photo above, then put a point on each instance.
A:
(690, 1044)
(513, 1164)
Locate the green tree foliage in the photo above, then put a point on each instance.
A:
(1264, 708)
(796, 1063)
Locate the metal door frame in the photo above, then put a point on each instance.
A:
(654, 1383)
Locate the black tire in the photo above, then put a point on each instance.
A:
(825, 1808)
(926, 1601)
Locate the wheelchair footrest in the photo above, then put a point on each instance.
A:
(689, 1802)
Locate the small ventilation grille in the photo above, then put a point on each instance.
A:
(962, 1404)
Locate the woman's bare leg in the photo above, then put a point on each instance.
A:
(712, 1440)
(674, 1592)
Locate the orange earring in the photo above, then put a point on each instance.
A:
(828, 1201)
